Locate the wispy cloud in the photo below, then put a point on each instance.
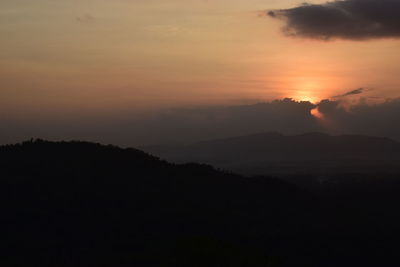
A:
(350, 93)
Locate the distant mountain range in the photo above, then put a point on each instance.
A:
(275, 154)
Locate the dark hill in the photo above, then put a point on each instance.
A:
(83, 204)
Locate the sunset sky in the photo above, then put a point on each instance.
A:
(96, 58)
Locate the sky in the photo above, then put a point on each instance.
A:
(67, 64)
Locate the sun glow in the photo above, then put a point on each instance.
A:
(316, 113)
(307, 89)
(305, 96)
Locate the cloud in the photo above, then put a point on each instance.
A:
(179, 125)
(377, 120)
(286, 116)
(87, 18)
(350, 93)
(187, 125)
(348, 19)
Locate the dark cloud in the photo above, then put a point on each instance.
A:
(376, 120)
(195, 124)
(350, 93)
(348, 19)
(180, 125)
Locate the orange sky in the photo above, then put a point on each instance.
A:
(100, 57)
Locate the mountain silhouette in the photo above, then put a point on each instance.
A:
(274, 153)
(86, 204)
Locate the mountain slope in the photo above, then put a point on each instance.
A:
(84, 204)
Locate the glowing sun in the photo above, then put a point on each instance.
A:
(305, 96)
(306, 89)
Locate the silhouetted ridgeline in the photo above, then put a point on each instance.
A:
(85, 204)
